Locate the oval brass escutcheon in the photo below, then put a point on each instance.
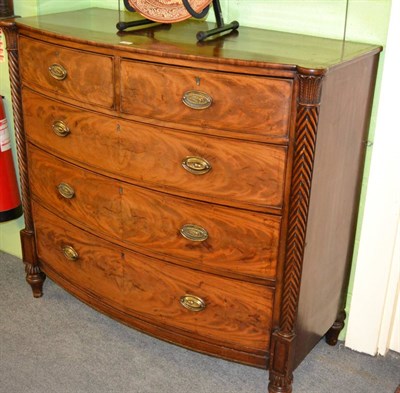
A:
(193, 303)
(60, 128)
(70, 253)
(196, 165)
(66, 190)
(57, 71)
(193, 232)
(197, 99)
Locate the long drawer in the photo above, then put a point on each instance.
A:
(196, 234)
(241, 173)
(83, 76)
(232, 313)
(241, 103)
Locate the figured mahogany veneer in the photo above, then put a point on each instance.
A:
(153, 155)
(151, 289)
(247, 104)
(149, 220)
(204, 193)
(79, 67)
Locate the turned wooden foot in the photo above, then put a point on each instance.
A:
(281, 362)
(281, 386)
(332, 336)
(35, 278)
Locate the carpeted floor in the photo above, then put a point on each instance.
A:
(58, 345)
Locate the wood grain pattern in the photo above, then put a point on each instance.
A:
(98, 269)
(84, 82)
(244, 174)
(91, 135)
(97, 200)
(237, 314)
(239, 242)
(251, 105)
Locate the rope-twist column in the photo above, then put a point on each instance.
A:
(34, 276)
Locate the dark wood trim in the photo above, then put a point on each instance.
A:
(11, 33)
(34, 276)
(282, 347)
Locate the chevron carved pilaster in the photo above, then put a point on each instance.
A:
(305, 138)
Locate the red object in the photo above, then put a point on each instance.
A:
(10, 202)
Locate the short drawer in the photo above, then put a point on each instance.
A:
(74, 193)
(200, 235)
(203, 306)
(209, 100)
(67, 73)
(71, 132)
(221, 170)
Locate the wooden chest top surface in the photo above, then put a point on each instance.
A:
(248, 45)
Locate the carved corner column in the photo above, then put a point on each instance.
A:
(283, 338)
(34, 276)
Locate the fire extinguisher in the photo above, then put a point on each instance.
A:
(10, 202)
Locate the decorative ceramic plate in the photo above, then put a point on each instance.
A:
(167, 11)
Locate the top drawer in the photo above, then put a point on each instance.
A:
(70, 73)
(250, 105)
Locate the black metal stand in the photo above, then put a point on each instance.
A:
(6, 10)
(222, 27)
(201, 35)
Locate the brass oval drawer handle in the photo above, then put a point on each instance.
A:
(196, 165)
(192, 303)
(57, 71)
(60, 128)
(66, 190)
(193, 232)
(197, 99)
(70, 253)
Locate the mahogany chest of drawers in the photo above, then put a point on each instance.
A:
(204, 193)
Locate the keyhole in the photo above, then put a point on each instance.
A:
(198, 80)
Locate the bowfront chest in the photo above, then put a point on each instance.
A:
(204, 193)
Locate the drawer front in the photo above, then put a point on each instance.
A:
(71, 132)
(70, 73)
(202, 235)
(227, 171)
(247, 174)
(85, 261)
(196, 234)
(215, 100)
(74, 193)
(235, 313)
